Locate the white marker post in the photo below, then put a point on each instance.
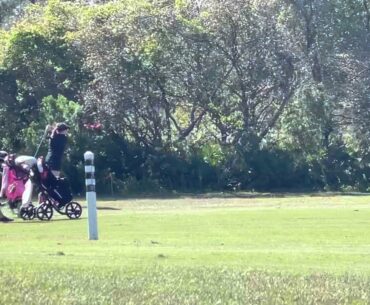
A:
(91, 195)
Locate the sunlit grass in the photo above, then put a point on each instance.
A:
(292, 250)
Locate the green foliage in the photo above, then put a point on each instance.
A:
(200, 95)
(52, 110)
(11, 11)
(60, 109)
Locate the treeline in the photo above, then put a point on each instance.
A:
(193, 95)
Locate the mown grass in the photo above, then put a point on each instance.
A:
(293, 250)
(160, 285)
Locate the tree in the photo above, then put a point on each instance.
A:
(12, 10)
(261, 61)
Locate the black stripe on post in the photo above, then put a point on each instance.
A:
(90, 175)
(89, 162)
(90, 188)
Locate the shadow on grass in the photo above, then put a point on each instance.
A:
(65, 219)
(107, 208)
(220, 195)
(33, 221)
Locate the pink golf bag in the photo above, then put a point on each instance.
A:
(15, 178)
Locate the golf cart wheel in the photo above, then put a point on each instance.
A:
(44, 212)
(27, 213)
(73, 210)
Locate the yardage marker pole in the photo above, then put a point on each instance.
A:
(91, 195)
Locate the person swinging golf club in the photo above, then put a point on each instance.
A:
(57, 145)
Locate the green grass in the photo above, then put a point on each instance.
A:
(220, 250)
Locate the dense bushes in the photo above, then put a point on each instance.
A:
(125, 168)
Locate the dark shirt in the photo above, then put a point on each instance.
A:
(57, 144)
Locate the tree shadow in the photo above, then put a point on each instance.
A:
(107, 208)
(237, 194)
(33, 221)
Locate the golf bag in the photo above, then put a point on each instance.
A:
(14, 177)
(57, 188)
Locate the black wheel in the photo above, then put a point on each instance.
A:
(73, 210)
(44, 212)
(27, 213)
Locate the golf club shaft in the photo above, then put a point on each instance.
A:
(42, 140)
